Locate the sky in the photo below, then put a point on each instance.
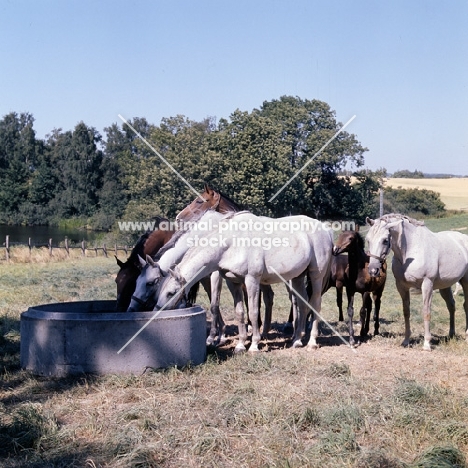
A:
(401, 67)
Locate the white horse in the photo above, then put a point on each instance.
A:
(258, 250)
(153, 271)
(423, 260)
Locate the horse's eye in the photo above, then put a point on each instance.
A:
(150, 284)
(385, 242)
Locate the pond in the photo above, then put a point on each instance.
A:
(42, 234)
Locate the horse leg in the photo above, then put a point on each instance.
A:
(447, 296)
(218, 327)
(377, 296)
(300, 310)
(315, 306)
(364, 314)
(427, 292)
(464, 285)
(405, 298)
(292, 310)
(339, 301)
(350, 316)
(268, 295)
(238, 296)
(253, 290)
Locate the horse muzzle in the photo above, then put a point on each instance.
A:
(336, 250)
(374, 272)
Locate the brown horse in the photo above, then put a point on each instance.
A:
(211, 199)
(148, 244)
(357, 279)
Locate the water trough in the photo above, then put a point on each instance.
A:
(71, 338)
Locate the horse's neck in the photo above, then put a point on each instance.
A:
(405, 240)
(183, 243)
(199, 262)
(174, 255)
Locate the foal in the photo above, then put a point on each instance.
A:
(357, 279)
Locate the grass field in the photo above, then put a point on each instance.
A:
(453, 191)
(378, 406)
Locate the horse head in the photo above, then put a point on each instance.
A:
(348, 241)
(207, 200)
(126, 282)
(379, 241)
(147, 286)
(172, 293)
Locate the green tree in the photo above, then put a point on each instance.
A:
(413, 202)
(77, 158)
(17, 161)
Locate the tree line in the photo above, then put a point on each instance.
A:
(100, 179)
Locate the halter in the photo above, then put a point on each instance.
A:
(140, 301)
(382, 257)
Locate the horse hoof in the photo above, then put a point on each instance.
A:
(312, 347)
(297, 344)
(405, 344)
(427, 347)
(254, 350)
(239, 349)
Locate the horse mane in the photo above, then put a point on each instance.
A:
(138, 249)
(227, 204)
(360, 241)
(192, 294)
(392, 216)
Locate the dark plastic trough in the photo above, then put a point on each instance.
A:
(84, 337)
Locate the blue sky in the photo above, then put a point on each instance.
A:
(401, 67)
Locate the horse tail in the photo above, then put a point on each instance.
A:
(192, 294)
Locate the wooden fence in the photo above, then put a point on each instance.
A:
(66, 245)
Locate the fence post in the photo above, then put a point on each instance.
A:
(50, 247)
(66, 246)
(105, 250)
(29, 246)
(381, 202)
(7, 248)
(83, 248)
(115, 247)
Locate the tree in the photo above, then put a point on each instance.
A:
(77, 158)
(17, 161)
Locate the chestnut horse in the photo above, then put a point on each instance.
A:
(356, 278)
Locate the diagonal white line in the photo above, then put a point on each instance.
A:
(168, 164)
(312, 158)
(312, 309)
(167, 304)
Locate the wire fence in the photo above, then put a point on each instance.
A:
(65, 245)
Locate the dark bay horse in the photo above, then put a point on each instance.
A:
(356, 278)
(148, 244)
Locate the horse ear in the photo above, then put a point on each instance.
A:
(142, 261)
(174, 272)
(119, 262)
(369, 221)
(207, 188)
(150, 261)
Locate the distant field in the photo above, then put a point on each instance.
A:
(453, 191)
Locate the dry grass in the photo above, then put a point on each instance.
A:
(380, 406)
(453, 191)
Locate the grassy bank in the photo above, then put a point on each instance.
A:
(380, 406)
